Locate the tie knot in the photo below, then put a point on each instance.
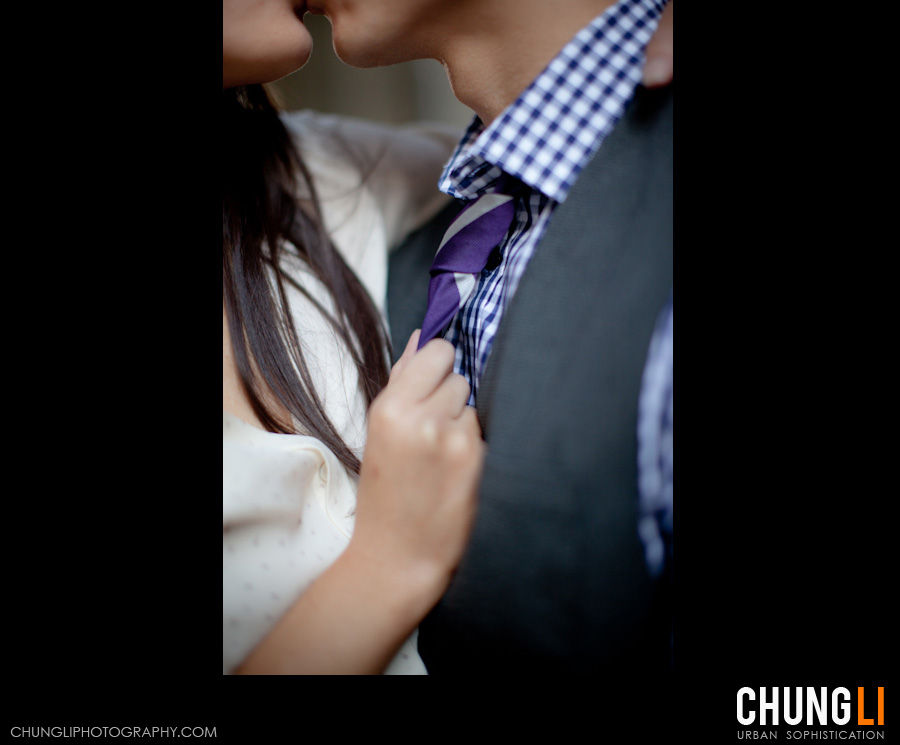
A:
(476, 231)
(507, 184)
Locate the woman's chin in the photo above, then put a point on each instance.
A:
(266, 70)
(356, 55)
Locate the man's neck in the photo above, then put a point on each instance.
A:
(502, 50)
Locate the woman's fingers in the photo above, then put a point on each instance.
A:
(407, 353)
(450, 397)
(422, 373)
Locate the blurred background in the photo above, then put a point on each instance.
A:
(412, 91)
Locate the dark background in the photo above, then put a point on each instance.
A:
(786, 450)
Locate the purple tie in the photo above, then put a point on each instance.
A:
(463, 253)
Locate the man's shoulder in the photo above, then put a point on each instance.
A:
(639, 147)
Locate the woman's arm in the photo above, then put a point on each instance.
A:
(416, 501)
(351, 621)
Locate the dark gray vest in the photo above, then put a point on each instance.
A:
(554, 578)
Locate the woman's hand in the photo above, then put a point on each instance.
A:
(659, 68)
(415, 506)
(419, 480)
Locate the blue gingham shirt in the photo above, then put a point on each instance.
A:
(545, 138)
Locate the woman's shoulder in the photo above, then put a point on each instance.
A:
(393, 159)
(397, 165)
(368, 141)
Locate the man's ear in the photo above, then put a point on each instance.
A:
(659, 68)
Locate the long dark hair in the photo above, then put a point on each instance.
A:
(261, 218)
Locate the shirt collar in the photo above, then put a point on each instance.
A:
(548, 134)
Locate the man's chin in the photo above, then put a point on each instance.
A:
(362, 53)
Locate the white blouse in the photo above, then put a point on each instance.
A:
(287, 502)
